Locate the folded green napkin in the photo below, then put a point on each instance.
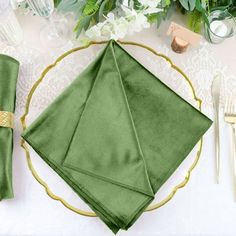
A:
(8, 76)
(115, 135)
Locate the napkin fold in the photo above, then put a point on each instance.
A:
(115, 135)
(8, 77)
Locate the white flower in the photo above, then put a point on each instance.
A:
(106, 32)
(139, 22)
(128, 12)
(150, 6)
(127, 22)
(151, 10)
(94, 32)
(121, 28)
(149, 3)
(110, 17)
(125, 3)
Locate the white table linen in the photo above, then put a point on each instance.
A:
(201, 208)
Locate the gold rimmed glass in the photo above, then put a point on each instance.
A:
(55, 32)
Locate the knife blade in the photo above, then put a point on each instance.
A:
(215, 90)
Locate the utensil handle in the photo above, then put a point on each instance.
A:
(234, 157)
(217, 144)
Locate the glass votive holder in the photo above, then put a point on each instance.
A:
(222, 25)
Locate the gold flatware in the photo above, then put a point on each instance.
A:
(215, 91)
(230, 118)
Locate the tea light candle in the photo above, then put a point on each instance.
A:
(218, 28)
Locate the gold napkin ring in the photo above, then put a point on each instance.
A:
(6, 119)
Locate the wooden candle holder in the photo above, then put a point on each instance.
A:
(182, 37)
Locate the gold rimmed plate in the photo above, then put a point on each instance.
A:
(59, 74)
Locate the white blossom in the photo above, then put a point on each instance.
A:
(127, 22)
(149, 3)
(152, 10)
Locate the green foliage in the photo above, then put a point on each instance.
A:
(232, 9)
(57, 2)
(91, 7)
(93, 11)
(189, 5)
(136, 4)
(76, 6)
(158, 17)
(195, 21)
(203, 11)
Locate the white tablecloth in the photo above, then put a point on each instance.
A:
(201, 208)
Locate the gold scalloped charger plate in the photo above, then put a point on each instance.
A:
(60, 74)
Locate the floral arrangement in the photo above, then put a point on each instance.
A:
(126, 21)
(114, 19)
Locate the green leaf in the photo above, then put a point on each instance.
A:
(152, 17)
(165, 3)
(111, 5)
(76, 6)
(91, 7)
(168, 2)
(232, 11)
(160, 17)
(89, 13)
(57, 2)
(195, 21)
(136, 4)
(102, 9)
(82, 24)
(203, 11)
(189, 5)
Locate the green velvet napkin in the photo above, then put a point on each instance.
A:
(115, 135)
(8, 76)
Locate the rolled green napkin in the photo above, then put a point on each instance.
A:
(115, 135)
(8, 76)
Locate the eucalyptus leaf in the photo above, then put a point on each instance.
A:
(89, 13)
(111, 5)
(189, 5)
(232, 10)
(136, 4)
(75, 6)
(203, 11)
(83, 24)
(171, 9)
(102, 8)
(57, 2)
(195, 21)
(159, 19)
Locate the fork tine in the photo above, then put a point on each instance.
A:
(230, 105)
(230, 118)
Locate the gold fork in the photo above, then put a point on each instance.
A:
(230, 118)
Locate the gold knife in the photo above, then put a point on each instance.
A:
(215, 90)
